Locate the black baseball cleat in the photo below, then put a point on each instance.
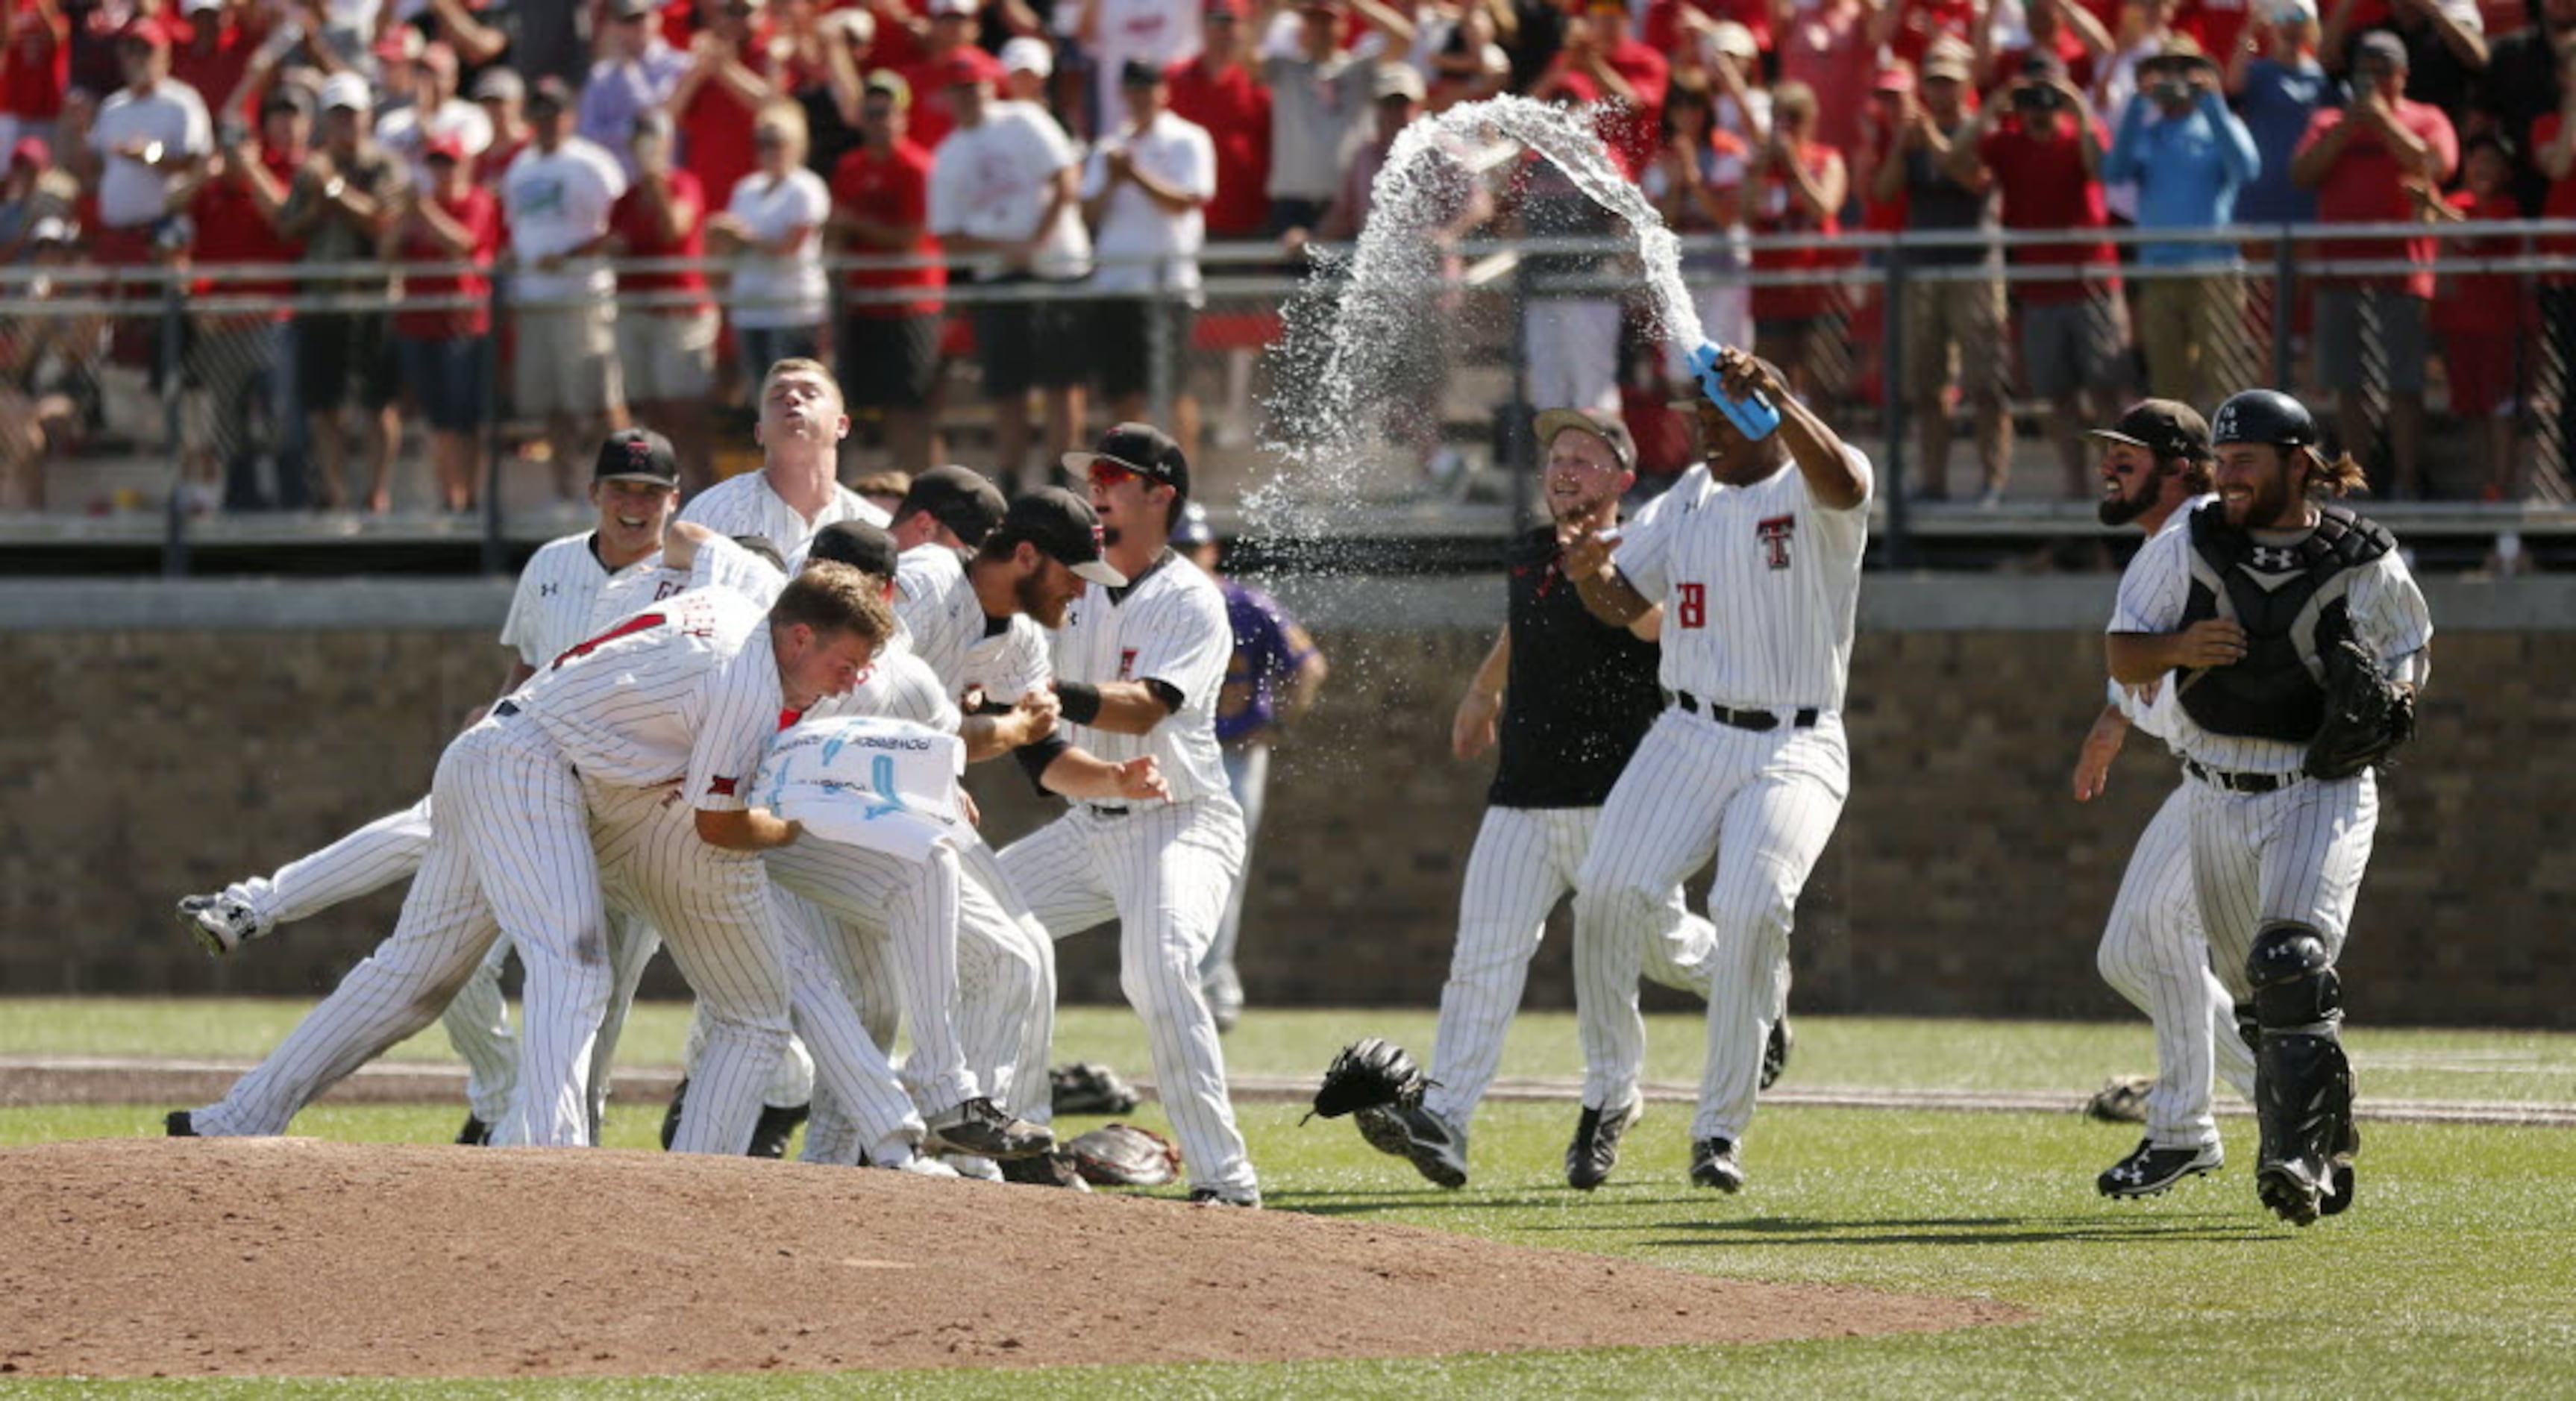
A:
(1249, 1197)
(1436, 1149)
(475, 1134)
(2291, 1191)
(1775, 1052)
(1713, 1164)
(1381, 1129)
(2151, 1171)
(975, 1126)
(1595, 1149)
(180, 1123)
(769, 1136)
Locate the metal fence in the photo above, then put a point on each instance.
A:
(185, 401)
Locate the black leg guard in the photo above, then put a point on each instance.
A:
(2302, 1080)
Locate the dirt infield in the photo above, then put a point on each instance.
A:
(296, 1257)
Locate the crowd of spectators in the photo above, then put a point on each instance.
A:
(665, 180)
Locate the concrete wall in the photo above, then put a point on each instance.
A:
(164, 739)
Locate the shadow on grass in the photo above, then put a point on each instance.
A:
(1968, 1230)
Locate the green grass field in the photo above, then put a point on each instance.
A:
(2451, 1277)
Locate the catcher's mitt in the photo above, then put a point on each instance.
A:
(1123, 1155)
(1089, 1087)
(1366, 1075)
(2366, 716)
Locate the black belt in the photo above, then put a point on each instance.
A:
(506, 708)
(2239, 782)
(1804, 718)
(1098, 811)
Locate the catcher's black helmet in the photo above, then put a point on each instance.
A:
(2264, 416)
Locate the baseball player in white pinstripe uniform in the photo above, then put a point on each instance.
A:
(1755, 556)
(634, 485)
(1138, 664)
(2235, 612)
(639, 740)
(2155, 472)
(1568, 699)
(796, 491)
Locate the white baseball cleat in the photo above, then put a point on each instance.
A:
(219, 923)
(920, 1166)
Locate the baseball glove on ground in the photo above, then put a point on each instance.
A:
(1089, 1087)
(2366, 716)
(1123, 1155)
(1366, 1075)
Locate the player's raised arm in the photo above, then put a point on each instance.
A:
(1838, 478)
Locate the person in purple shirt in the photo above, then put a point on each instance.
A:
(1272, 682)
(635, 73)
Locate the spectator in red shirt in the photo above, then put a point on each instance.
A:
(952, 32)
(1797, 185)
(889, 350)
(1600, 62)
(2480, 316)
(2553, 156)
(1219, 91)
(2041, 148)
(503, 96)
(1909, 28)
(237, 358)
(1828, 47)
(2362, 161)
(727, 83)
(666, 322)
(446, 350)
(35, 70)
(2060, 29)
(209, 53)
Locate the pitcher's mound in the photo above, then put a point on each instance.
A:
(297, 1257)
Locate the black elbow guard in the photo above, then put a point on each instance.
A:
(1035, 759)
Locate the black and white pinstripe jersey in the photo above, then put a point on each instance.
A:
(1759, 584)
(553, 606)
(720, 564)
(2382, 602)
(936, 603)
(1168, 624)
(745, 505)
(686, 690)
(2151, 707)
(899, 686)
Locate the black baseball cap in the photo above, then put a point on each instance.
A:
(959, 498)
(2164, 427)
(549, 94)
(637, 455)
(864, 547)
(1064, 527)
(1140, 73)
(1141, 448)
(1601, 425)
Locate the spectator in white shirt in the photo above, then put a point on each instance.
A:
(435, 110)
(1003, 189)
(558, 195)
(778, 292)
(146, 145)
(1145, 189)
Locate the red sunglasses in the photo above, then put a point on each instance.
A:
(1105, 474)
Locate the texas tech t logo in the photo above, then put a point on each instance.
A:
(1776, 532)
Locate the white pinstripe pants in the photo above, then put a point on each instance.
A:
(2153, 955)
(2296, 853)
(1764, 803)
(1524, 861)
(714, 912)
(916, 903)
(1163, 873)
(390, 849)
(510, 847)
